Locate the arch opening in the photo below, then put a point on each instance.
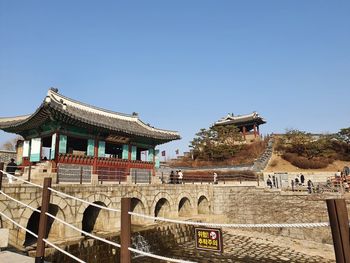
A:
(203, 206)
(162, 208)
(137, 206)
(184, 208)
(33, 224)
(94, 219)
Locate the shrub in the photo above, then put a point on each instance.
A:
(305, 163)
(273, 163)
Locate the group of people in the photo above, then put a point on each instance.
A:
(272, 182)
(176, 177)
(300, 181)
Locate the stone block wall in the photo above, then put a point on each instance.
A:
(250, 205)
(159, 238)
(5, 156)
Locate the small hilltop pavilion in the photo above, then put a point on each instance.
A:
(73, 141)
(247, 124)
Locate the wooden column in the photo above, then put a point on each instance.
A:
(1, 174)
(42, 233)
(244, 132)
(94, 169)
(339, 220)
(125, 231)
(254, 130)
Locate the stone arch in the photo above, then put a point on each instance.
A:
(203, 205)
(105, 220)
(137, 206)
(58, 207)
(162, 208)
(185, 207)
(138, 195)
(166, 196)
(4, 222)
(91, 199)
(33, 225)
(95, 218)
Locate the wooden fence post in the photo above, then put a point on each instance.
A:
(42, 233)
(125, 231)
(81, 174)
(1, 174)
(29, 171)
(339, 220)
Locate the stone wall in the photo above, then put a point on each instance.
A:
(5, 156)
(180, 200)
(257, 205)
(160, 239)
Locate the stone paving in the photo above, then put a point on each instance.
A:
(249, 248)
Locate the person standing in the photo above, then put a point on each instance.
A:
(310, 186)
(215, 178)
(180, 177)
(172, 177)
(302, 179)
(11, 167)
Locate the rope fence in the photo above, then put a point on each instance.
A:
(284, 225)
(332, 210)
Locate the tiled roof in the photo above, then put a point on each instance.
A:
(56, 105)
(241, 119)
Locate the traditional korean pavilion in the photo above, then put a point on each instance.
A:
(64, 131)
(248, 124)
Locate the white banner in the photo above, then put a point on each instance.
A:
(26, 148)
(35, 150)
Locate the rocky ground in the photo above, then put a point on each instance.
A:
(244, 246)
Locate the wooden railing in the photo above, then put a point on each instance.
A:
(103, 161)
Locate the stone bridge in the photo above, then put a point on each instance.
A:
(173, 201)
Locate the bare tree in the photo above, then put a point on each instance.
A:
(10, 145)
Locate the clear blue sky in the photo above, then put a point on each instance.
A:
(182, 64)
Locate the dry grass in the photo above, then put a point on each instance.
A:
(247, 155)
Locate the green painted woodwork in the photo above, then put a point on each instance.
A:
(78, 131)
(62, 147)
(101, 148)
(133, 152)
(157, 164)
(91, 147)
(150, 154)
(35, 150)
(53, 146)
(125, 154)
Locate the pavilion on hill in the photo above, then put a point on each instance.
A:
(72, 135)
(247, 124)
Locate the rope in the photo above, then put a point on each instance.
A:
(36, 210)
(19, 179)
(83, 201)
(63, 251)
(18, 225)
(293, 225)
(158, 257)
(46, 241)
(84, 232)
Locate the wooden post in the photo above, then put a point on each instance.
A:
(257, 178)
(150, 178)
(42, 233)
(29, 171)
(339, 220)
(58, 173)
(1, 174)
(135, 176)
(162, 178)
(81, 174)
(125, 231)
